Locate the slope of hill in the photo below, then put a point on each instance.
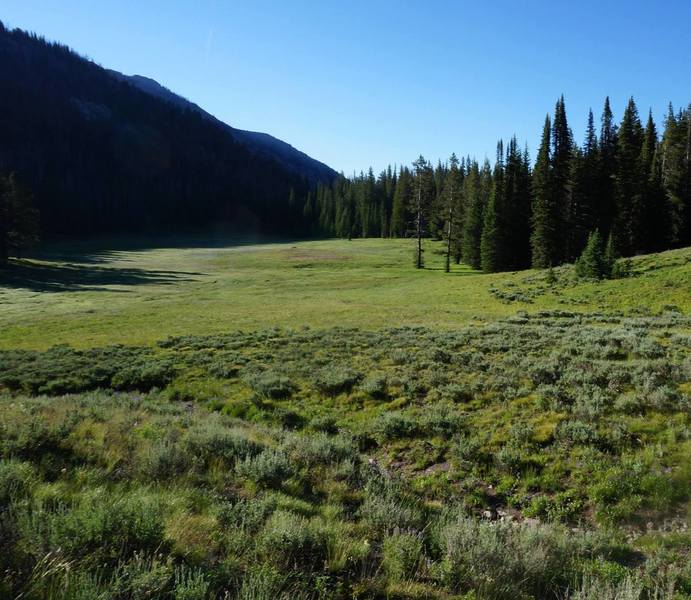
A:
(261, 143)
(104, 155)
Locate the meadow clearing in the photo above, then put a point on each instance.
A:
(321, 420)
(85, 295)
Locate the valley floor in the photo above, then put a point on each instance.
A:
(320, 420)
(85, 295)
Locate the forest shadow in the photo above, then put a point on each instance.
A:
(69, 277)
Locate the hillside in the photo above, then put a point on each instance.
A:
(262, 144)
(100, 154)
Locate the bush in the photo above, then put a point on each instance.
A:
(291, 542)
(507, 561)
(375, 386)
(391, 426)
(271, 385)
(268, 469)
(402, 556)
(17, 479)
(101, 527)
(336, 380)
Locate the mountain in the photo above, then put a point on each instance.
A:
(105, 152)
(261, 143)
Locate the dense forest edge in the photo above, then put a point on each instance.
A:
(99, 155)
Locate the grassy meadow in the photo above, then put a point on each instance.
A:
(86, 296)
(319, 420)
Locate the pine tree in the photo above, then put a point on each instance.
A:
(593, 262)
(452, 208)
(607, 171)
(654, 228)
(544, 237)
(562, 156)
(517, 208)
(583, 209)
(19, 220)
(474, 207)
(420, 206)
(402, 199)
(493, 241)
(628, 184)
(676, 174)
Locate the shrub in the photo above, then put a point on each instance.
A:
(289, 541)
(100, 526)
(213, 441)
(190, 584)
(268, 469)
(402, 556)
(17, 480)
(375, 386)
(271, 385)
(507, 561)
(336, 379)
(391, 426)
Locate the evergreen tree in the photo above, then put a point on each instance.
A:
(654, 228)
(420, 206)
(584, 217)
(544, 238)
(562, 156)
(607, 171)
(627, 224)
(19, 220)
(493, 240)
(452, 208)
(593, 262)
(676, 174)
(517, 208)
(474, 207)
(402, 200)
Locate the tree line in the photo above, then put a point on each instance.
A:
(626, 182)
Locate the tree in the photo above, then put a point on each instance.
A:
(493, 250)
(593, 262)
(562, 156)
(402, 199)
(474, 187)
(453, 187)
(420, 205)
(18, 218)
(607, 171)
(654, 226)
(543, 240)
(627, 226)
(583, 209)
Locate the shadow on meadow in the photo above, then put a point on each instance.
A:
(69, 277)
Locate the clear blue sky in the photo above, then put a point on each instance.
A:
(358, 83)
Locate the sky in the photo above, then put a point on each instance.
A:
(371, 83)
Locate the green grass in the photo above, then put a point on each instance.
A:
(85, 296)
(403, 434)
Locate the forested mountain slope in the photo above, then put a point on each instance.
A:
(102, 155)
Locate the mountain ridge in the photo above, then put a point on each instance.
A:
(263, 143)
(104, 155)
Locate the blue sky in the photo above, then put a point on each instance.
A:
(356, 83)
